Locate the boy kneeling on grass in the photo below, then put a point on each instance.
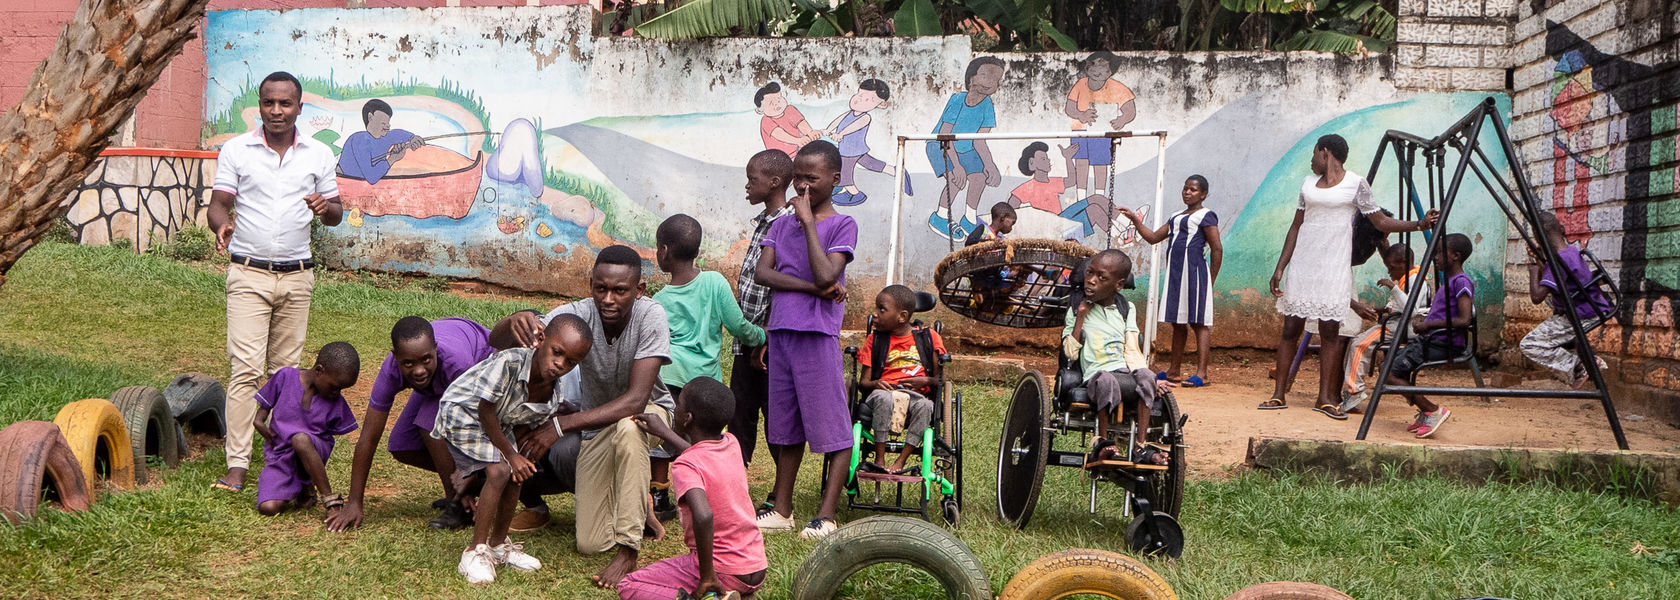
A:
(1440, 333)
(479, 416)
(298, 414)
(897, 360)
(1102, 334)
(726, 549)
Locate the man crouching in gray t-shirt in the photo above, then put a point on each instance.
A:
(599, 445)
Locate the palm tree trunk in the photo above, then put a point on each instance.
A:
(102, 65)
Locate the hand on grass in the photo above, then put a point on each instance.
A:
(347, 518)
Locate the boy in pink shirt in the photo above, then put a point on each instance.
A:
(726, 550)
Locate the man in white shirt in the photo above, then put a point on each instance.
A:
(277, 182)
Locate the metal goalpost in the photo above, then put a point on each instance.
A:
(895, 264)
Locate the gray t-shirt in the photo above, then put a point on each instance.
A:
(605, 373)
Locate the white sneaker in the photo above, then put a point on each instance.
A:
(514, 555)
(477, 565)
(771, 520)
(819, 527)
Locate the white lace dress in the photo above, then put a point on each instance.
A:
(1318, 283)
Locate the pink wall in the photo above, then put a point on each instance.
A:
(172, 113)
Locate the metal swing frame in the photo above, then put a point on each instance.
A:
(1464, 137)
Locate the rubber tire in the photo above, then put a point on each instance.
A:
(33, 459)
(199, 402)
(151, 429)
(1288, 590)
(1166, 489)
(891, 539)
(1018, 484)
(1085, 571)
(93, 423)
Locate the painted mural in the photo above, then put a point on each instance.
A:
(507, 144)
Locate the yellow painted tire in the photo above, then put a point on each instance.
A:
(98, 437)
(1082, 571)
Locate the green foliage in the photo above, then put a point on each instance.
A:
(60, 232)
(916, 18)
(712, 18)
(231, 121)
(191, 244)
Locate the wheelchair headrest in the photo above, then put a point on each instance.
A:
(1076, 284)
(925, 302)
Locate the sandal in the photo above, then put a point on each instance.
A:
(1195, 381)
(871, 467)
(910, 470)
(1146, 454)
(1099, 452)
(1331, 410)
(224, 485)
(1273, 404)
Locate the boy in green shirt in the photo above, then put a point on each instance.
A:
(699, 305)
(1102, 334)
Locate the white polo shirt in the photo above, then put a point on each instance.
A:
(272, 220)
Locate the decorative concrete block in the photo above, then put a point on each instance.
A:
(1418, 32)
(1455, 8)
(1452, 56)
(1423, 79)
(1478, 79)
(1480, 35)
(1500, 8)
(1409, 55)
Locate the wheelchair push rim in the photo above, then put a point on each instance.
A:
(1022, 450)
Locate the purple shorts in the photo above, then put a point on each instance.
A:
(418, 417)
(807, 392)
(283, 477)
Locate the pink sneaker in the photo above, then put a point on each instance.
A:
(1417, 421)
(1432, 422)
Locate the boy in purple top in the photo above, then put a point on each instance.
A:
(804, 263)
(425, 357)
(1440, 333)
(1545, 344)
(298, 414)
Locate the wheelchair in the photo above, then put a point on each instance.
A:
(941, 449)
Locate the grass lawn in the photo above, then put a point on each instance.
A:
(80, 322)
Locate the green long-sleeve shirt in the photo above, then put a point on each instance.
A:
(698, 312)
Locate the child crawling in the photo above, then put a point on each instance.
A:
(299, 413)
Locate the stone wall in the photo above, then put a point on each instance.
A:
(1454, 44)
(1597, 84)
(136, 196)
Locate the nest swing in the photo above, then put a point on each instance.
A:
(1019, 283)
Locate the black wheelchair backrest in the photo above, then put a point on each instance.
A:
(925, 302)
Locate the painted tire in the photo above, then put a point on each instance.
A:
(891, 539)
(151, 429)
(97, 435)
(1289, 590)
(1090, 572)
(197, 401)
(36, 464)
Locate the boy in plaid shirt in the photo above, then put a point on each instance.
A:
(768, 175)
(481, 414)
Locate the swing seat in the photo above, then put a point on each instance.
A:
(1019, 283)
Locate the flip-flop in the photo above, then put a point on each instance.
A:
(1331, 410)
(1268, 405)
(1161, 376)
(223, 485)
(1195, 381)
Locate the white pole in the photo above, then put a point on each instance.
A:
(1155, 283)
(893, 257)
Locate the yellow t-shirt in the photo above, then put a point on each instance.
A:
(1112, 92)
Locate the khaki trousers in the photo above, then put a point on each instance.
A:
(612, 485)
(267, 316)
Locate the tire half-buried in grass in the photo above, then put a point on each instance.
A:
(37, 465)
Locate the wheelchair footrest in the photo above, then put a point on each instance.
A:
(888, 477)
(1122, 465)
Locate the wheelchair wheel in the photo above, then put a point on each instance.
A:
(1022, 450)
(1156, 534)
(951, 512)
(1165, 491)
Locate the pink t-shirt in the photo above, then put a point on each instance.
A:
(715, 466)
(788, 123)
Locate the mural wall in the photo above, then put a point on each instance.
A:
(1595, 117)
(507, 144)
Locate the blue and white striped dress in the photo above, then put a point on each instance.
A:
(1188, 298)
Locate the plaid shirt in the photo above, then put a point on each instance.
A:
(503, 380)
(755, 297)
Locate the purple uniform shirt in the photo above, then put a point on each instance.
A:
(461, 343)
(799, 311)
(283, 396)
(1457, 285)
(1576, 266)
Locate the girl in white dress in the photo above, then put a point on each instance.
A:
(1319, 286)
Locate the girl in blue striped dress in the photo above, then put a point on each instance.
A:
(1193, 256)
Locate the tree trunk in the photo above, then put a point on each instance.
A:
(102, 65)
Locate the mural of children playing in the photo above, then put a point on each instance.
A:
(1043, 192)
(966, 163)
(783, 126)
(1094, 97)
(850, 131)
(369, 154)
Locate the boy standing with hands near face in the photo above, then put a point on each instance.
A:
(804, 263)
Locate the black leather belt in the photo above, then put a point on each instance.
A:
(287, 266)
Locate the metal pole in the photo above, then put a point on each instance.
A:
(894, 258)
(1155, 283)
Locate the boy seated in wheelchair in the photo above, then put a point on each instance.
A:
(900, 364)
(1102, 333)
(1441, 333)
(1547, 344)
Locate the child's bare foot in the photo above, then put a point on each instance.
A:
(652, 529)
(305, 500)
(624, 560)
